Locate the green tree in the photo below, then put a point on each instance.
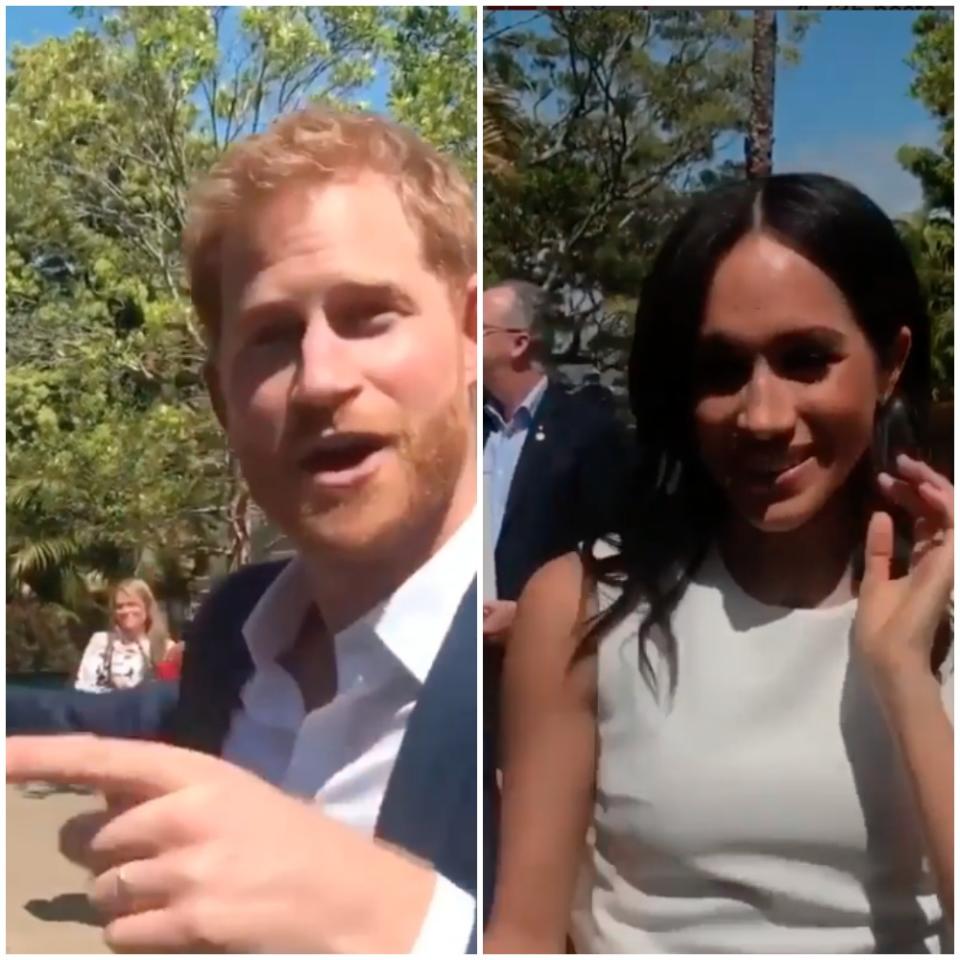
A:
(932, 59)
(114, 460)
(622, 110)
(502, 129)
(434, 88)
(929, 233)
(503, 126)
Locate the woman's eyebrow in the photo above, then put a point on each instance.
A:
(829, 336)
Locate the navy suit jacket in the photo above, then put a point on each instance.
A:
(430, 806)
(568, 486)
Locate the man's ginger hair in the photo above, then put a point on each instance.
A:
(317, 146)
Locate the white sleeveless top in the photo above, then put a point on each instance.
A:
(764, 809)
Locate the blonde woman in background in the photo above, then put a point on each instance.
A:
(127, 654)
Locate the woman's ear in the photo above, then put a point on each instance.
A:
(896, 361)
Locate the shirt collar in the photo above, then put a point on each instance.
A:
(527, 410)
(411, 623)
(272, 625)
(414, 621)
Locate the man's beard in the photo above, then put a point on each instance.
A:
(374, 520)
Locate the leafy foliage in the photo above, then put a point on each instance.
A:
(930, 233)
(115, 463)
(434, 55)
(605, 121)
(932, 58)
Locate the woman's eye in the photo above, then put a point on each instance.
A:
(806, 363)
(722, 373)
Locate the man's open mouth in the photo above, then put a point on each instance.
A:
(343, 458)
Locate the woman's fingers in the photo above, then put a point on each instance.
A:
(904, 494)
(918, 470)
(921, 499)
(933, 486)
(940, 499)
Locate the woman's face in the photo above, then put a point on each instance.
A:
(787, 385)
(130, 614)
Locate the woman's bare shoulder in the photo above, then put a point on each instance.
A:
(546, 641)
(557, 590)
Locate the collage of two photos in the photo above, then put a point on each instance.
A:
(479, 480)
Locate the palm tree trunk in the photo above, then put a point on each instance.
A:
(760, 132)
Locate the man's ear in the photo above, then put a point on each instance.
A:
(896, 361)
(521, 344)
(469, 322)
(211, 377)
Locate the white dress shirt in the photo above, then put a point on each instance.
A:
(501, 454)
(342, 753)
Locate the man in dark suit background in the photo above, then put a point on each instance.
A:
(555, 461)
(555, 467)
(331, 262)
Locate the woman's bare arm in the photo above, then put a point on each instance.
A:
(549, 756)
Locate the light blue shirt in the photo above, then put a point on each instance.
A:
(502, 453)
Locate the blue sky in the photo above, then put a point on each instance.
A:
(845, 108)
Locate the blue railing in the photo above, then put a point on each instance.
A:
(39, 681)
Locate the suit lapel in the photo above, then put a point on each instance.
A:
(435, 774)
(217, 663)
(534, 453)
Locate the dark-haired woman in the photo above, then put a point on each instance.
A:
(732, 730)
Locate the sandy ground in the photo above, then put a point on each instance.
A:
(47, 910)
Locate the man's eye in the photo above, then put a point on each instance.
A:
(277, 333)
(366, 319)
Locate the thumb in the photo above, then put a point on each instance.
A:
(878, 550)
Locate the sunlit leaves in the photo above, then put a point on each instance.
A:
(113, 454)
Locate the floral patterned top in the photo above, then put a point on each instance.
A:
(111, 662)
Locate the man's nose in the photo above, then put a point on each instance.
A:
(328, 372)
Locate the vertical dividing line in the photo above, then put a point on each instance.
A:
(479, 466)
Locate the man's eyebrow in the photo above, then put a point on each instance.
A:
(268, 309)
(339, 295)
(347, 292)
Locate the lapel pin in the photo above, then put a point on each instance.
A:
(539, 435)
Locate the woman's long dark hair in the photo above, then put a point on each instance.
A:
(675, 508)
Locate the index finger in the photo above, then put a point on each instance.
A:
(131, 767)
